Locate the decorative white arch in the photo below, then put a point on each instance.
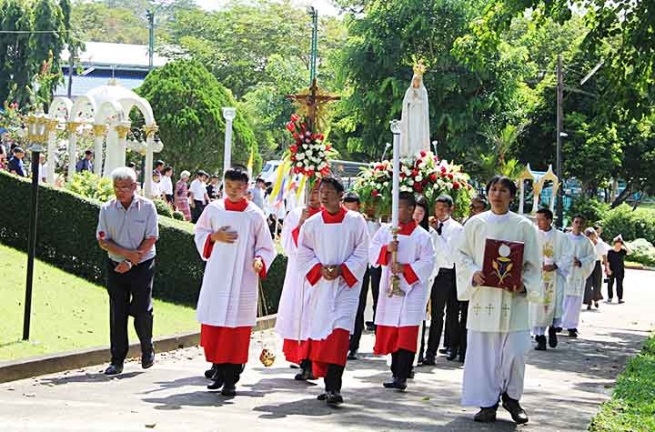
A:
(59, 113)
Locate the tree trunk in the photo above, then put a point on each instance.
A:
(625, 193)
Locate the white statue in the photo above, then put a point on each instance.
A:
(415, 135)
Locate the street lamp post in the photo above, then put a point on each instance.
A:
(229, 114)
(435, 143)
(560, 125)
(314, 48)
(37, 135)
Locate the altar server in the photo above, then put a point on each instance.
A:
(583, 254)
(332, 255)
(398, 317)
(295, 297)
(233, 237)
(498, 325)
(557, 262)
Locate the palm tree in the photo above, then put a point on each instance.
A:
(500, 142)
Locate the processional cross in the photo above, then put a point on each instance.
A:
(311, 105)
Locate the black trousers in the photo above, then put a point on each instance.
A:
(593, 285)
(372, 275)
(196, 211)
(130, 294)
(401, 363)
(458, 337)
(229, 372)
(333, 378)
(618, 277)
(443, 296)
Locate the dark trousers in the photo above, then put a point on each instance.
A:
(130, 294)
(196, 211)
(333, 378)
(401, 363)
(443, 296)
(593, 285)
(618, 277)
(372, 275)
(458, 337)
(229, 372)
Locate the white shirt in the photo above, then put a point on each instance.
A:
(166, 185)
(601, 249)
(451, 233)
(155, 190)
(198, 189)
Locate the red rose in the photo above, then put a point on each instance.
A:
(291, 126)
(443, 170)
(423, 153)
(310, 173)
(296, 136)
(293, 148)
(325, 171)
(101, 235)
(293, 159)
(402, 175)
(418, 187)
(328, 147)
(296, 170)
(303, 127)
(295, 117)
(424, 182)
(456, 185)
(320, 137)
(433, 177)
(375, 193)
(414, 173)
(450, 176)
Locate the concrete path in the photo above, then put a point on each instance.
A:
(564, 388)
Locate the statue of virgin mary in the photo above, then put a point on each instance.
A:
(415, 120)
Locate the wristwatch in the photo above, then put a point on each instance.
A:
(129, 264)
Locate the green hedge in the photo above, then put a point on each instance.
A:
(630, 224)
(66, 238)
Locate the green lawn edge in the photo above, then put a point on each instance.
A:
(632, 407)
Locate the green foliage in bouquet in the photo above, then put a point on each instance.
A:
(90, 185)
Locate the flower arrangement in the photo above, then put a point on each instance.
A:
(309, 155)
(425, 175)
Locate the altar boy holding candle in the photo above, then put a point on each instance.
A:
(498, 324)
(398, 317)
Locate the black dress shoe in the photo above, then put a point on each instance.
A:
(148, 359)
(390, 384)
(552, 337)
(411, 374)
(443, 351)
(573, 333)
(209, 373)
(229, 390)
(512, 406)
(396, 383)
(305, 375)
(322, 396)
(216, 385)
(114, 369)
(452, 355)
(486, 415)
(541, 343)
(429, 360)
(370, 326)
(462, 356)
(352, 355)
(334, 398)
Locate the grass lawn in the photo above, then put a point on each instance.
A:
(632, 407)
(67, 312)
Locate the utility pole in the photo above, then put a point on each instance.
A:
(560, 127)
(150, 15)
(314, 49)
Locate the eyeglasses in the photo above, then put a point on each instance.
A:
(123, 188)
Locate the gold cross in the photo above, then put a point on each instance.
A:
(311, 105)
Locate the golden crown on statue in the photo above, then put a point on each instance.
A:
(419, 67)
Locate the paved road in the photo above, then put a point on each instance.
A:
(563, 388)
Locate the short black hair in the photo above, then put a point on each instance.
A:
(423, 203)
(504, 181)
(352, 197)
(88, 152)
(579, 216)
(131, 165)
(546, 212)
(237, 174)
(260, 180)
(446, 199)
(18, 150)
(201, 173)
(159, 162)
(213, 176)
(335, 182)
(409, 197)
(167, 169)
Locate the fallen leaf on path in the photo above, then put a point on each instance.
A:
(29, 394)
(426, 398)
(151, 425)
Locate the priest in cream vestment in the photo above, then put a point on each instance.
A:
(556, 252)
(498, 324)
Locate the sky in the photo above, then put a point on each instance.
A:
(324, 7)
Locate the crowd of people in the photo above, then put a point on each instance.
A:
(431, 267)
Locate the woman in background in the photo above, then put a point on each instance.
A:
(182, 195)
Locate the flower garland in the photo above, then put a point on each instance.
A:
(425, 175)
(310, 154)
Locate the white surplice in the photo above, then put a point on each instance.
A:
(583, 249)
(498, 323)
(332, 304)
(228, 297)
(417, 251)
(292, 302)
(555, 250)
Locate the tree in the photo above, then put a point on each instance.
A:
(17, 67)
(187, 102)
(501, 142)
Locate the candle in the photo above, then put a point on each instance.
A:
(395, 128)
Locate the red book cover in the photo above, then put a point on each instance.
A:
(503, 264)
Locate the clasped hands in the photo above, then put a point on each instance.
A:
(395, 268)
(330, 273)
(479, 280)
